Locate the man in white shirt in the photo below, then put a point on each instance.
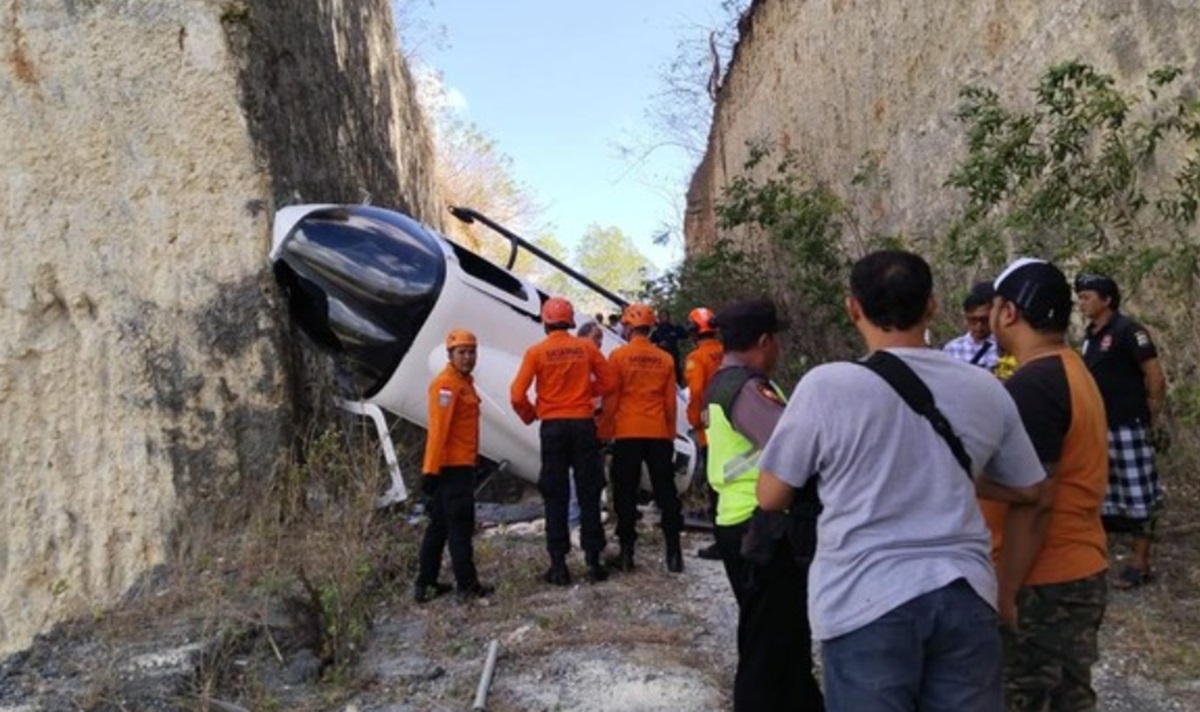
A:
(977, 346)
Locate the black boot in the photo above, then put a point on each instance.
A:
(710, 552)
(423, 593)
(558, 574)
(674, 555)
(627, 559)
(478, 590)
(595, 569)
(622, 562)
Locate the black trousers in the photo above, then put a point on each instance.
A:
(451, 511)
(774, 671)
(628, 456)
(570, 445)
(700, 479)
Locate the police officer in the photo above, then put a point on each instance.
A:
(569, 373)
(451, 454)
(743, 405)
(701, 364)
(643, 408)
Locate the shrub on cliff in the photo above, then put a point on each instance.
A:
(1099, 179)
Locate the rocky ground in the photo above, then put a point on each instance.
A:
(648, 640)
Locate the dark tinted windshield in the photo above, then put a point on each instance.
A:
(361, 281)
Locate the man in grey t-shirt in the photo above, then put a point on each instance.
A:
(902, 591)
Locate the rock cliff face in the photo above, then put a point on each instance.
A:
(851, 84)
(142, 369)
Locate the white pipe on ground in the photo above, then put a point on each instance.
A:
(485, 682)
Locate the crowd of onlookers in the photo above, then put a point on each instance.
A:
(937, 518)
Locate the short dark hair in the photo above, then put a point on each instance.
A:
(893, 287)
(1101, 284)
(743, 323)
(979, 295)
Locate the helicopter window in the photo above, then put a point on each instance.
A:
(361, 282)
(481, 268)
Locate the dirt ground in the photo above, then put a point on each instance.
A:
(651, 640)
(646, 640)
(642, 641)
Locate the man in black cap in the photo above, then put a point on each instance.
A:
(1124, 361)
(765, 554)
(977, 346)
(1061, 595)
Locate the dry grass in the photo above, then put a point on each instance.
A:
(315, 565)
(303, 565)
(538, 624)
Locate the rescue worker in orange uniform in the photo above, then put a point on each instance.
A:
(642, 411)
(700, 365)
(569, 373)
(451, 455)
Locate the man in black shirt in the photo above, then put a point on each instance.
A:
(1124, 361)
(1061, 596)
(667, 335)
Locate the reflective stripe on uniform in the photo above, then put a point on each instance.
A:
(739, 465)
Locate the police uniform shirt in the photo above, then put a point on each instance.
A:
(1114, 354)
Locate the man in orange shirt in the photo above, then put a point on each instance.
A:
(569, 373)
(642, 412)
(701, 363)
(1060, 595)
(451, 454)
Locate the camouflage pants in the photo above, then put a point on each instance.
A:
(1048, 661)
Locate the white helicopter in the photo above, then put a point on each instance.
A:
(378, 291)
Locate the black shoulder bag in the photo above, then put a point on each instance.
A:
(917, 395)
(987, 346)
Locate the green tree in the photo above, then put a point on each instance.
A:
(783, 235)
(1093, 178)
(548, 278)
(1089, 175)
(610, 258)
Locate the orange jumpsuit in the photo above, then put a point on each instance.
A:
(643, 411)
(569, 372)
(643, 403)
(700, 365)
(451, 453)
(453, 438)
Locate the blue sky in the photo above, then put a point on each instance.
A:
(559, 85)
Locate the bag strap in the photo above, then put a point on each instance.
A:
(916, 394)
(979, 354)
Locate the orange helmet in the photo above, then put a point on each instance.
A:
(702, 321)
(638, 315)
(460, 337)
(558, 312)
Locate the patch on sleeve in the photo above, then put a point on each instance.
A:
(769, 393)
(444, 396)
(689, 366)
(1143, 339)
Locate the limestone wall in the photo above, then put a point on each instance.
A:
(849, 83)
(146, 144)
